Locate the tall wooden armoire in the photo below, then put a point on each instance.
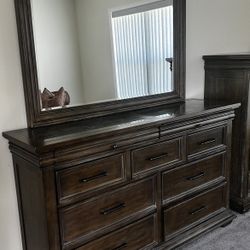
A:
(227, 78)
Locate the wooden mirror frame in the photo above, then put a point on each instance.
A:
(37, 118)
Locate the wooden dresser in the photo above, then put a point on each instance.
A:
(152, 178)
(227, 79)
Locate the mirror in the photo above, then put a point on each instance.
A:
(85, 58)
(91, 51)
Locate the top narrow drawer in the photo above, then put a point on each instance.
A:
(90, 176)
(205, 140)
(157, 155)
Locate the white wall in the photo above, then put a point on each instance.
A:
(96, 46)
(57, 47)
(213, 26)
(12, 116)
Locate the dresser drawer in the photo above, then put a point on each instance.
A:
(192, 210)
(178, 181)
(90, 176)
(156, 155)
(139, 235)
(204, 140)
(87, 218)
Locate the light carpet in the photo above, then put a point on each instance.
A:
(235, 236)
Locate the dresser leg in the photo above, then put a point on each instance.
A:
(226, 224)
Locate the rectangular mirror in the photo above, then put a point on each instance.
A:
(86, 58)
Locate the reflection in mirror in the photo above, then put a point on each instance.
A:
(91, 51)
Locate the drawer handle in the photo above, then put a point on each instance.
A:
(111, 210)
(114, 147)
(196, 211)
(196, 177)
(198, 125)
(92, 178)
(158, 157)
(207, 142)
(123, 245)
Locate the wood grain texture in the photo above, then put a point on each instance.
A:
(227, 78)
(127, 126)
(156, 155)
(81, 221)
(202, 141)
(139, 235)
(187, 177)
(114, 205)
(30, 192)
(192, 210)
(97, 174)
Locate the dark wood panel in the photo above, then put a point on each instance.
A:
(106, 210)
(205, 140)
(204, 226)
(139, 235)
(183, 179)
(31, 205)
(188, 212)
(90, 176)
(102, 210)
(105, 144)
(227, 78)
(68, 135)
(154, 156)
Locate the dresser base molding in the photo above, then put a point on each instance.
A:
(218, 219)
(240, 206)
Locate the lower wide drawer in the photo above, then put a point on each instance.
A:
(190, 211)
(183, 179)
(88, 219)
(139, 235)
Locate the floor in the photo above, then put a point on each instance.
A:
(236, 236)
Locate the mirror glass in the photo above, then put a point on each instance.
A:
(92, 51)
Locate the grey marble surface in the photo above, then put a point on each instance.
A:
(235, 236)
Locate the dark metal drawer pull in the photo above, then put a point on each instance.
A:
(158, 157)
(207, 142)
(115, 146)
(196, 211)
(102, 174)
(196, 177)
(198, 125)
(111, 210)
(123, 245)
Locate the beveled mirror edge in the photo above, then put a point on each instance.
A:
(37, 118)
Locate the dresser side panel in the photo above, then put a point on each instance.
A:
(29, 182)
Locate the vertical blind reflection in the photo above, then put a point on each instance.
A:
(142, 42)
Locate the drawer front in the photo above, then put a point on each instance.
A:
(192, 210)
(108, 209)
(90, 176)
(136, 236)
(156, 155)
(111, 143)
(183, 179)
(205, 140)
